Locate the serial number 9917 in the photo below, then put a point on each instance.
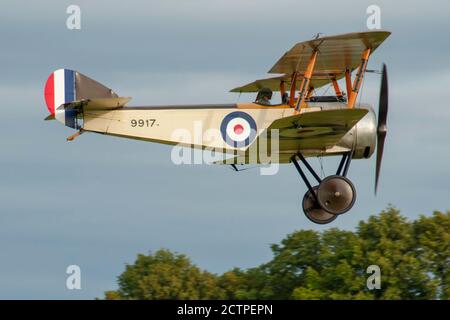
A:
(143, 122)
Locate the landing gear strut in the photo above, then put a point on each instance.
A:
(334, 195)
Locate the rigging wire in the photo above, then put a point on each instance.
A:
(361, 90)
(322, 171)
(239, 96)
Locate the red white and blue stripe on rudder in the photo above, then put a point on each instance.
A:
(60, 89)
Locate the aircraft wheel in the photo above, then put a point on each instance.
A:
(336, 194)
(313, 211)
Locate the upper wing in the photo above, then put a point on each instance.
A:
(336, 54)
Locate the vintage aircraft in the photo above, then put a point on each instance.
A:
(306, 125)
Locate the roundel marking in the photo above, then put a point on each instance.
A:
(238, 129)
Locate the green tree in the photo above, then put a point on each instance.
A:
(292, 257)
(388, 240)
(244, 285)
(414, 258)
(165, 275)
(432, 236)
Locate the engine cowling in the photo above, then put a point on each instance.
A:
(362, 137)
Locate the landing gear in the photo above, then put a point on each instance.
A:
(333, 196)
(313, 211)
(336, 194)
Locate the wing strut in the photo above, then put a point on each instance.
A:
(304, 87)
(359, 78)
(337, 89)
(282, 90)
(348, 82)
(292, 92)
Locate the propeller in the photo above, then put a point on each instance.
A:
(382, 117)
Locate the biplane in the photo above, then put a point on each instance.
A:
(307, 124)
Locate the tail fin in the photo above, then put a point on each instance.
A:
(65, 86)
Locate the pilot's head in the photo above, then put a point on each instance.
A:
(265, 94)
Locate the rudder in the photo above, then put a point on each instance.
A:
(64, 86)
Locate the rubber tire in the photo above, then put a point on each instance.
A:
(331, 184)
(309, 204)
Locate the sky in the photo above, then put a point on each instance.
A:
(99, 201)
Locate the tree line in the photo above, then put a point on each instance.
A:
(413, 258)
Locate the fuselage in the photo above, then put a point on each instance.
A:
(203, 126)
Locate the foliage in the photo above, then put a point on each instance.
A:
(164, 275)
(414, 258)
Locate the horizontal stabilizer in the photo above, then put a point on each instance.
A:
(106, 103)
(98, 104)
